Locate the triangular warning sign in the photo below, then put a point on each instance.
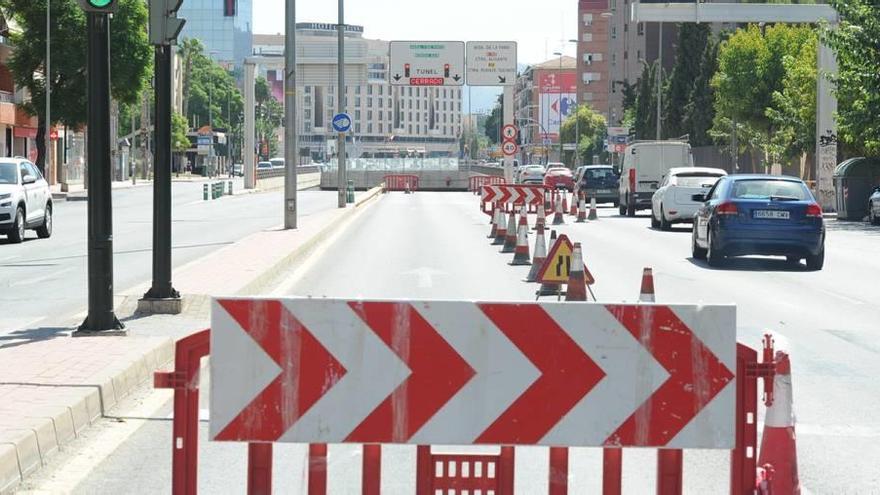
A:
(557, 265)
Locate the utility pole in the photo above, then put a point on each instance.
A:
(164, 27)
(47, 160)
(660, 83)
(340, 105)
(291, 141)
(101, 317)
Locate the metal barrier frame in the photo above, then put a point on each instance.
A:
(399, 182)
(477, 181)
(185, 381)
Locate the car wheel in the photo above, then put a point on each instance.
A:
(45, 231)
(875, 220)
(630, 208)
(655, 224)
(16, 234)
(816, 262)
(664, 224)
(714, 255)
(696, 251)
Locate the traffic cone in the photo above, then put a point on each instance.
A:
(501, 232)
(577, 282)
(521, 251)
(582, 211)
(494, 231)
(646, 294)
(407, 190)
(540, 255)
(541, 220)
(524, 215)
(510, 234)
(778, 443)
(548, 289)
(594, 215)
(574, 204)
(557, 215)
(547, 200)
(565, 202)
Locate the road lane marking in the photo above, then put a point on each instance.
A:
(36, 280)
(848, 299)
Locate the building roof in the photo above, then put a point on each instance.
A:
(569, 63)
(269, 39)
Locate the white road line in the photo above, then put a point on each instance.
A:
(36, 280)
(841, 296)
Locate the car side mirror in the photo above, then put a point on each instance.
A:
(28, 179)
(700, 198)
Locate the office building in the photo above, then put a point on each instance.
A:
(225, 27)
(545, 95)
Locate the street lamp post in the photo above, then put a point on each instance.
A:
(577, 120)
(291, 140)
(559, 73)
(659, 80)
(48, 137)
(340, 95)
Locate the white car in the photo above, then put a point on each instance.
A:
(25, 200)
(673, 202)
(531, 174)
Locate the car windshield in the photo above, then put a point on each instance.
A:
(770, 189)
(8, 173)
(697, 180)
(601, 173)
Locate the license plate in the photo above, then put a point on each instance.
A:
(603, 191)
(772, 214)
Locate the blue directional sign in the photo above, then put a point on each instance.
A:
(342, 122)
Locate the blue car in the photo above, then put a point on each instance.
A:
(759, 214)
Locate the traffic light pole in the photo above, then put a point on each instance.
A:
(291, 141)
(162, 298)
(101, 317)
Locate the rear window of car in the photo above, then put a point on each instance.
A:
(770, 189)
(697, 180)
(600, 173)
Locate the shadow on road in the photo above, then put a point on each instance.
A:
(27, 336)
(860, 227)
(753, 264)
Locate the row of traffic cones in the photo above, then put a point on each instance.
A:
(560, 207)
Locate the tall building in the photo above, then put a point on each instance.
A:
(387, 121)
(545, 95)
(225, 27)
(594, 55)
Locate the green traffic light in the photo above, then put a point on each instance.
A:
(100, 3)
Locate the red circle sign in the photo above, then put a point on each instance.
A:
(53, 135)
(509, 132)
(509, 148)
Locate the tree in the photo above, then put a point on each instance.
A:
(130, 59)
(793, 113)
(213, 95)
(856, 41)
(692, 42)
(179, 127)
(590, 127)
(699, 111)
(646, 103)
(188, 50)
(493, 123)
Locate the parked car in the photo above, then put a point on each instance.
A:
(600, 182)
(874, 207)
(264, 166)
(558, 176)
(673, 203)
(759, 214)
(644, 165)
(277, 162)
(531, 174)
(25, 200)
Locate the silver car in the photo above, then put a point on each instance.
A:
(25, 200)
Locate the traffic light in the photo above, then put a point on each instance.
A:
(164, 24)
(99, 6)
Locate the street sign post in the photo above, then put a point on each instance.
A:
(491, 63)
(341, 122)
(462, 372)
(426, 63)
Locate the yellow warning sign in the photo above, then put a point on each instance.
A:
(557, 265)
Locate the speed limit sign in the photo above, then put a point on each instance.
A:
(509, 148)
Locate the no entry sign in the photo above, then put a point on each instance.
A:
(452, 372)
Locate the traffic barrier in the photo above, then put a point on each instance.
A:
(594, 215)
(540, 255)
(494, 231)
(557, 215)
(501, 232)
(401, 182)
(510, 197)
(510, 237)
(521, 251)
(433, 471)
(581, 211)
(547, 288)
(476, 182)
(778, 441)
(576, 289)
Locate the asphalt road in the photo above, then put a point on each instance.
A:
(434, 246)
(43, 282)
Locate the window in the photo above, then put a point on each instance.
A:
(370, 128)
(357, 101)
(357, 128)
(307, 89)
(588, 37)
(641, 29)
(357, 115)
(625, 27)
(369, 103)
(613, 32)
(370, 89)
(381, 90)
(626, 55)
(389, 114)
(357, 90)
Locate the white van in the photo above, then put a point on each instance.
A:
(644, 165)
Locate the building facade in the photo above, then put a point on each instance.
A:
(545, 95)
(388, 121)
(225, 27)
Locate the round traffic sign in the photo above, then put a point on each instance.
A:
(341, 122)
(509, 148)
(509, 132)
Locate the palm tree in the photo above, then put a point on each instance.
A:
(190, 48)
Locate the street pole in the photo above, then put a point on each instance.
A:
(162, 290)
(101, 316)
(340, 105)
(660, 82)
(291, 141)
(247, 153)
(559, 74)
(48, 138)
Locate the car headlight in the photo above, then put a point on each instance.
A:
(5, 196)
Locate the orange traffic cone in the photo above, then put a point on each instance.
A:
(594, 215)
(581, 211)
(574, 204)
(521, 251)
(577, 282)
(501, 232)
(510, 237)
(524, 215)
(548, 289)
(778, 446)
(541, 221)
(548, 204)
(540, 255)
(494, 231)
(564, 202)
(557, 215)
(646, 294)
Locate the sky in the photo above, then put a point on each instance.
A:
(538, 27)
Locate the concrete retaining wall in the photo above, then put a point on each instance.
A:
(303, 181)
(428, 180)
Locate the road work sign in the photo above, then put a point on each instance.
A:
(426, 63)
(509, 193)
(491, 63)
(463, 372)
(557, 266)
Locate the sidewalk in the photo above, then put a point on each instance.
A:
(53, 386)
